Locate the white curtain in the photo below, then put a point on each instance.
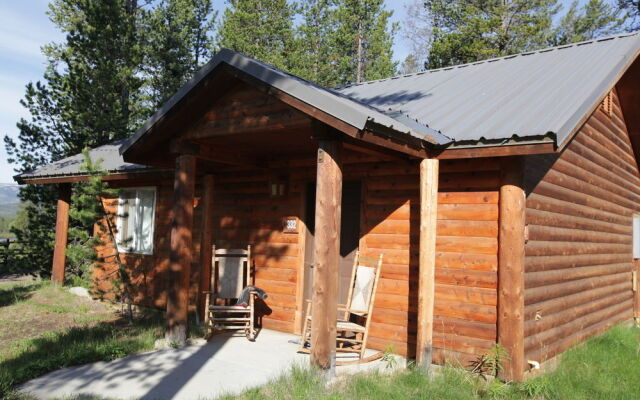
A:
(135, 222)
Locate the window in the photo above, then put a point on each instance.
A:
(636, 236)
(136, 212)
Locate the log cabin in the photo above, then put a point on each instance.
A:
(503, 194)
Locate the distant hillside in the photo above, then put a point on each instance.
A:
(9, 201)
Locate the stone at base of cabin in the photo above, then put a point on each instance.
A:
(80, 291)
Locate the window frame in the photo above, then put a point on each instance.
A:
(635, 236)
(120, 219)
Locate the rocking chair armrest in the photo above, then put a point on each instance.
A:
(352, 311)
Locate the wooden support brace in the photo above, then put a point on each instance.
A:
(62, 230)
(635, 276)
(511, 268)
(327, 255)
(426, 295)
(181, 254)
(206, 241)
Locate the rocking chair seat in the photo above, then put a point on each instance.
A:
(350, 326)
(345, 325)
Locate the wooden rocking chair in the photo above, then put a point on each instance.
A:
(231, 273)
(354, 318)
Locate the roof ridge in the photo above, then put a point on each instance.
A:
(488, 60)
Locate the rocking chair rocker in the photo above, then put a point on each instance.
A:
(354, 318)
(231, 273)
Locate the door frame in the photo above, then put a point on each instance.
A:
(300, 311)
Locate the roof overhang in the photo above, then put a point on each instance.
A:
(331, 108)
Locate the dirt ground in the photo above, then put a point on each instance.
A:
(30, 308)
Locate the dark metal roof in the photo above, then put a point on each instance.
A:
(356, 114)
(530, 97)
(534, 96)
(112, 162)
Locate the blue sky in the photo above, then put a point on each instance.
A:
(24, 27)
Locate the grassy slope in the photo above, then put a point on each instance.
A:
(44, 328)
(68, 330)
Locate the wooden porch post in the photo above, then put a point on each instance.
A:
(327, 255)
(426, 294)
(636, 291)
(206, 240)
(62, 229)
(511, 268)
(181, 254)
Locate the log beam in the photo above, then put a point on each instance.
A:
(181, 254)
(636, 291)
(62, 229)
(426, 294)
(327, 255)
(206, 241)
(511, 257)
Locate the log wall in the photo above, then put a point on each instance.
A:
(149, 273)
(579, 218)
(466, 259)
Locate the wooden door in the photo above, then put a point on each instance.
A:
(349, 236)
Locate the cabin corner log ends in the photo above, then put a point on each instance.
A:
(511, 255)
(181, 249)
(327, 254)
(62, 229)
(427, 263)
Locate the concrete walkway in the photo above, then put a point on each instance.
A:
(225, 365)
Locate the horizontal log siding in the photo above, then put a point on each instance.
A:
(466, 281)
(245, 213)
(578, 257)
(148, 273)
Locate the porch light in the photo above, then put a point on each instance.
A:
(278, 186)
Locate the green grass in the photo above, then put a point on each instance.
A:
(606, 367)
(87, 332)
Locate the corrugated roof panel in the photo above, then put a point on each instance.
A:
(354, 113)
(524, 95)
(109, 154)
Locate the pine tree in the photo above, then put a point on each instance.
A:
(410, 65)
(631, 8)
(261, 29)
(470, 30)
(315, 55)
(363, 41)
(178, 40)
(87, 99)
(97, 88)
(595, 19)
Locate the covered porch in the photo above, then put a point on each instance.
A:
(248, 155)
(262, 164)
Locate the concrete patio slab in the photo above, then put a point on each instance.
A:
(227, 364)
